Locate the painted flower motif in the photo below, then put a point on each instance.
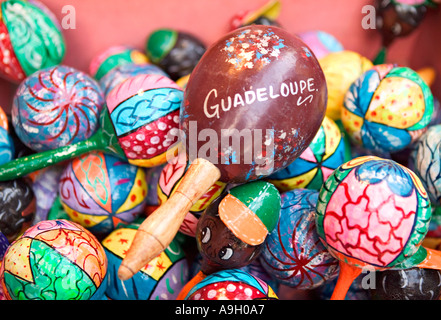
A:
(398, 180)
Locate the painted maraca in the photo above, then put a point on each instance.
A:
(264, 15)
(341, 69)
(320, 42)
(134, 126)
(123, 72)
(55, 107)
(231, 231)
(100, 192)
(162, 279)
(54, 260)
(31, 39)
(7, 146)
(374, 213)
(396, 19)
(327, 151)
(176, 52)
(387, 108)
(293, 254)
(255, 92)
(232, 284)
(113, 57)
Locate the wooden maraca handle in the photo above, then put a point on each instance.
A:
(157, 231)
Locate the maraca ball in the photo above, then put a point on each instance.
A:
(144, 111)
(407, 284)
(121, 73)
(161, 279)
(30, 40)
(341, 69)
(293, 253)
(327, 151)
(260, 84)
(113, 57)
(321, 43)
(425, 159)
(7, 149)
(373, 210)
(56, 107)
(232, 284)
(169, 181)
(100, 192)
(54, 260)
(387, 108)
(17, 207)
(176, 52)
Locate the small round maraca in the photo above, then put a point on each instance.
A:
(407, 284)
(101, 192)
(144, 111)
(321, 43)
(55, 107)
(176, 52)
(425, 158)
(293, 253)
(256, 92)
(120, 73)
(170, 178)
(374, 211)
(17, 207)
(31, 39)
(54, 260)
(161, 279)
(387, 108)
(113, 57)
(326, 152)
(266, 14)
(341, 69)
(232, 284)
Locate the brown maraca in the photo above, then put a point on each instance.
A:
(252, 105)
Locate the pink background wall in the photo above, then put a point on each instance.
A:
(103, 23)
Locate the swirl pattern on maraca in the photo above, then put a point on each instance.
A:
(55, 107)
(326, 152)
(387, 108)
(161, 279)
(100, 192)
(54, 260)
(231, 284)
(144, 110)
(373, 210)
(293, 253)
(31, 39)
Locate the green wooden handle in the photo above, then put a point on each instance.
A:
(22, 166)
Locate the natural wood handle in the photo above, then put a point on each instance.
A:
(157, 231)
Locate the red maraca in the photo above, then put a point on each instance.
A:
(258, 87)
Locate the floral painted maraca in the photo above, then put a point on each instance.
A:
(232, 230)
(387, 108)
(134, 126)
(245, 98)
(55, 107)
(31, 39)
(101, 192)
(293, 254)
(374, 213)
(54, 260)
